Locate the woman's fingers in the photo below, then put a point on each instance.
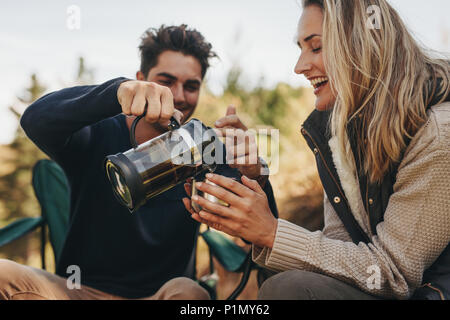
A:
(218, 192)
(216, 222)
(230, 184)
(252, 184)
(215, 208)
(213, 222)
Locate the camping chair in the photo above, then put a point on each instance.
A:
(231, 257)
(52, 191)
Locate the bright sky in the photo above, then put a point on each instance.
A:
(35, 38)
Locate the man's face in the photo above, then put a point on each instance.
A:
(182, 74)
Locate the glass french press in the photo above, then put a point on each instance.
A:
(161, 163)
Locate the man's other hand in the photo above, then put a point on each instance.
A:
(240, 143)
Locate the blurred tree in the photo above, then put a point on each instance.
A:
(271, 105)
(267, 106)
(17, 198)
(33, 92)
(232, 84)
(85, 75)
(16, 195)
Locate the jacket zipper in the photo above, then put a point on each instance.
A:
(331, 175)
(368, 207)
(325, 163)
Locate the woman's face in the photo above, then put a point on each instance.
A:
(310, 62)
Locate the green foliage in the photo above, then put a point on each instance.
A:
(14, 190)
(269, 107)
(85, 75)
(233, 86)
(16, 195)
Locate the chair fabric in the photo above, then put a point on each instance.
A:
(18, 229)
(53, 192)
(230, 255)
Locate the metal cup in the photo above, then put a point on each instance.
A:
(195, 206)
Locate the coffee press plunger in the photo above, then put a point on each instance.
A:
(161, 163)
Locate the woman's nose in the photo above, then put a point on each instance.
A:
(303, 66)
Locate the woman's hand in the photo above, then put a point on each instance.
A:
(240, 143)
(248, 215)
(188, 206)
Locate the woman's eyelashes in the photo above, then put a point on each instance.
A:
(317, 50)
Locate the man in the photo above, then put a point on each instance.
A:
(120, 255)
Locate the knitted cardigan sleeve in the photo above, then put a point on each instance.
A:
(415, 230)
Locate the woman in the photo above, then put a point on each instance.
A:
(381, 136)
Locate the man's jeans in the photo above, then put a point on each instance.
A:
(19, 282)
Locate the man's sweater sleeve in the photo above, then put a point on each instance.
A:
(52, 121)
(415, 230)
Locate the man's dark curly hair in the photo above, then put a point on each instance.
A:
(174, 38)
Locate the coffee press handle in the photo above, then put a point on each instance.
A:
(174, 124)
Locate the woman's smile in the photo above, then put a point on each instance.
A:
(319, 83)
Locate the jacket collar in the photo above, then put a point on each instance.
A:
(317, 124)
(316, 128)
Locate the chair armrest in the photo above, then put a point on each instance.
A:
(18, 229)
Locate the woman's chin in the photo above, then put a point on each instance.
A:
(323, 104)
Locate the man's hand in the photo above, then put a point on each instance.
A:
(138, 97)
(241, 146)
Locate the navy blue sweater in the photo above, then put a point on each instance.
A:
(129, 255)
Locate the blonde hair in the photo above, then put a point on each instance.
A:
(380, 74)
